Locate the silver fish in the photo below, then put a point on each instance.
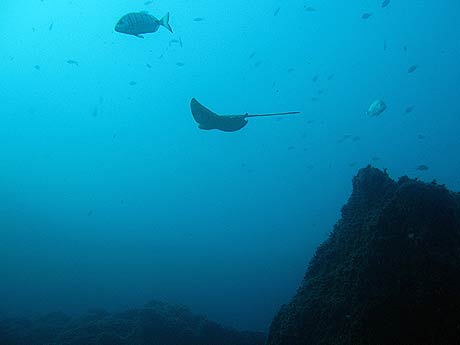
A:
(138, 23)
(376, 108)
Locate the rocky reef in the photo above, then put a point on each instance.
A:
(155, 324)
(389, 273)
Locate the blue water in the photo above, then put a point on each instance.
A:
(112, 196)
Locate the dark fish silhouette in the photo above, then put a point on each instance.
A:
(208, 120)
(409, 109)
(412, 68)
(73, 62)
(422, 167)
(366, 15)
(342, 139)
(385, 3)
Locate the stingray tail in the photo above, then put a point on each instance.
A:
(274, 114)
(165, 22)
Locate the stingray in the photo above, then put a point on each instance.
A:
(208, 120)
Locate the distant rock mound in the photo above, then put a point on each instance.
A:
(156, 324)
(388, 274)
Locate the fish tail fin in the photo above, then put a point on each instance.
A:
(165, 22)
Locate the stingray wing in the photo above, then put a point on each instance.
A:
(201, 114)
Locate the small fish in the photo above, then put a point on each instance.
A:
(376, 108)
(405, 49)
(423, 167)
(258, 63)
(310, 9)
(331, 76)
(290, 70)
(320, 91)
(180, 64)
(409, 109)
(276, 11)
(148, 65)
(37, 67)
(385, 3)
(356, 138)
(179, 41)
(344, 138)
(132, 83)
(420, 137)
(90, 213)
(73, 62)
(290, 148)
(366, 15)
(138, 23)
(385, 45)
(148, 3)
(51, 27)
(412, 68)
(252, 55)
(315, 78)
(198, 19)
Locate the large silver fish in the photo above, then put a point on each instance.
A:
(138, 23)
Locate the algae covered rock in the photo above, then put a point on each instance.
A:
(156, 324)
(388, 274)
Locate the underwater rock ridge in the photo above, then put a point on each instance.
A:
(389, 273)
(157, 323)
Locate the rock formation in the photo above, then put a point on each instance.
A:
(389, 273)
(156, 324)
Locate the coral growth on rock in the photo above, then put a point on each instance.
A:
(155, 324)
(388, 274)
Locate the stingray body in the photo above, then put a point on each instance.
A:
(208, 119)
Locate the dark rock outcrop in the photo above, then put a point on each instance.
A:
(156, 324)
(389, 273)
